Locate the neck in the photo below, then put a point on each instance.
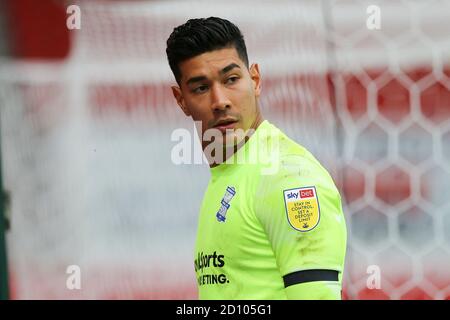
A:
(228, 152)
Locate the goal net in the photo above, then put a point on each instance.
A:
(393, 104)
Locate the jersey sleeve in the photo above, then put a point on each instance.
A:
(300, 210)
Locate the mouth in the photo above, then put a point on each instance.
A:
(225, 124)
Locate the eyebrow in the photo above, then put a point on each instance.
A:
(228, 68)
(195, 79)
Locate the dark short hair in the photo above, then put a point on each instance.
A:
(198, 36)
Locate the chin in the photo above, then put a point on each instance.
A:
(233, 139)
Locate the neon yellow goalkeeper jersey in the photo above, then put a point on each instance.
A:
(271, 228)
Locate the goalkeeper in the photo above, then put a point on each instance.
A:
(262, 234)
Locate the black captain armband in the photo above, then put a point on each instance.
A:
(310, 276)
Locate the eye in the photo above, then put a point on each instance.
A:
(232, 80)
(200, 89)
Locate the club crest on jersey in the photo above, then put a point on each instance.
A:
(225, 204)
(302, 208)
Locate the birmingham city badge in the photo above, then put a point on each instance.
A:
(225, 204)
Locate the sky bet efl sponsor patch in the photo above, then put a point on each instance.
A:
(302, 208)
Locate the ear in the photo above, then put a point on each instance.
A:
(180, 100)
(256, 78)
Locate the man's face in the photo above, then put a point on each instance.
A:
(217, 89)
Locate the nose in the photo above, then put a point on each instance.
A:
(219, 99)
